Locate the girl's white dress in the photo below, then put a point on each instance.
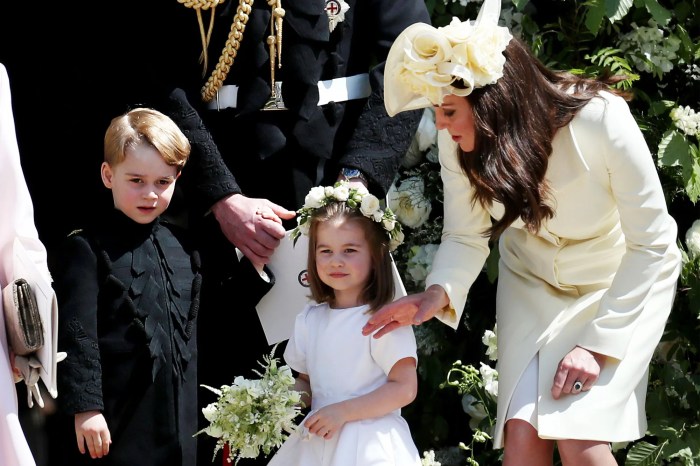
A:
(328, 345)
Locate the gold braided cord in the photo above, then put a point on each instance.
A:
(198, 6)
(233, 43)
(274, 40)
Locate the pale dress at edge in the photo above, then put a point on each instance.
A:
(16, 223)
(328, 345)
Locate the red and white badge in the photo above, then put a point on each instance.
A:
(336, 10)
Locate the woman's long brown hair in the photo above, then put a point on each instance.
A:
(516, 119)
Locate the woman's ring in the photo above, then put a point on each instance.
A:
(577, 386)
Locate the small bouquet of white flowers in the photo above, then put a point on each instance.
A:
(254, 415)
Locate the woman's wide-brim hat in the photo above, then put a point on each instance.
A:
(426, 63)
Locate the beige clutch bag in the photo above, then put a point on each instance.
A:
(25, 331)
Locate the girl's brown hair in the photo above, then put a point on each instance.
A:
(380, 284)
(515, 121)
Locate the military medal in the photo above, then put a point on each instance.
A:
(336, 12)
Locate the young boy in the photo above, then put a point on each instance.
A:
(128, 291)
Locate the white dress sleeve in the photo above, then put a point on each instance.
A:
(394, 346)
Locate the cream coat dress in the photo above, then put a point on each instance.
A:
(16, 221)
(601, 274)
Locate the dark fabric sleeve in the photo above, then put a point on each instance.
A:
(249, 280)
(206, 178)
(76, 285)
(380, 141)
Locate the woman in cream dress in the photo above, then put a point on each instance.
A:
(554, 167)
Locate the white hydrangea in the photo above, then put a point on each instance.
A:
(429, 459)
(686, 119)
(692, 239)
(648, 48)
(420, 262)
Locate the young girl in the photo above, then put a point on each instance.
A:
(128, 290)
(356, 384)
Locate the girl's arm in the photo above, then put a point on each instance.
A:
(303, 386)
(399, 390)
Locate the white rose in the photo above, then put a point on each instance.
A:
(214, 431)
(328, 191)
(422, 55)
(409, 203)
(457, 31)
(369, 205)
(388, 224)
(428, 48)
(484, 53)
(341, 193)
(377, 216)
(692, 239)
(210, 412)
(396, 241)
(314, 198)
(361, 189)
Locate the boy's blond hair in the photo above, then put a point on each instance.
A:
(146, 126)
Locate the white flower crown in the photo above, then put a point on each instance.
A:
(355, 197)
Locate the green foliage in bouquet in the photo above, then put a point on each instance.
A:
(253, 416)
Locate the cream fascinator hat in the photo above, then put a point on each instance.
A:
(424, 62)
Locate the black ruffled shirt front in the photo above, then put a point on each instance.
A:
(128, 297)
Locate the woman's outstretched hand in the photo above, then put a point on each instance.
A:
(410, 310)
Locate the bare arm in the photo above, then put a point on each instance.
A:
(303, 386)
(399, 390)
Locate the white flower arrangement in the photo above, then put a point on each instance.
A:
(257, 415)
(649, 49)
(356, 197)
(409, 203)
(491, 341)
(434, 58)
(692, 239)
(429, 459)
(420, 262)
(686, 119)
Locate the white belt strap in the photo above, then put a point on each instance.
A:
(331, 90)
